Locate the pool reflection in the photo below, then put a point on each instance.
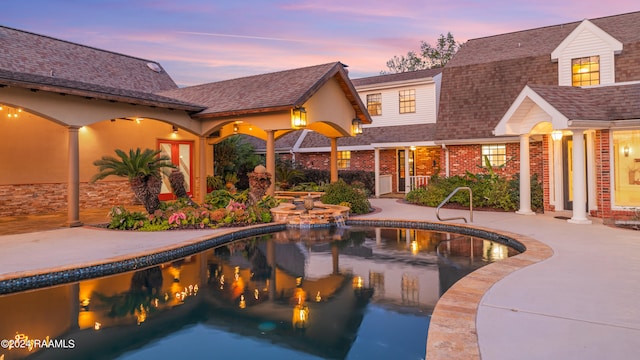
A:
(301, 289)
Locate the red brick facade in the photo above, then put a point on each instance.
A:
(463, 158)
(365, 160)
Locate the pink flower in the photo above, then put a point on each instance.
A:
(176, 217)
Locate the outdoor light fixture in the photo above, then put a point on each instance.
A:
(235, 128)
(298, 117)
(356, 126)
(175, 129)
(11, 112)
(556, 135)
(626, 151)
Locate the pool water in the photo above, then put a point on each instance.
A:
(336, 293)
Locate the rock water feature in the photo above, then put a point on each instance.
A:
(307, 211)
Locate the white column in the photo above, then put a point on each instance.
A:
(334, 160)
(271, 161)
(73, 180)
(525, 177)
(558, 175)
(376, 169)
(591, 173)
(579, 180)
(406, 170)
(446, 160)
(202, 183)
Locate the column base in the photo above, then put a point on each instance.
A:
(525, 212)
(75, 223)
(579, 221)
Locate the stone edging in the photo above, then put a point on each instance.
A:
(452, 329)
(64, 276)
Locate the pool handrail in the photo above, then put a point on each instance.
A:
(449, 197)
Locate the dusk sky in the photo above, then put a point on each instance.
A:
(201, 41)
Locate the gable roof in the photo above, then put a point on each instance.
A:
(277, 91)
(403, 76)
(540, 41)
(486, 75)
(44, 63)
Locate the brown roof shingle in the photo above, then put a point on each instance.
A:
(486, 75)
(370, 135)
(404, 76)
(605, 103)
(29, 53)
(267, 92)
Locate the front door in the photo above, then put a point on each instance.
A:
(181, 155)
(401, 175)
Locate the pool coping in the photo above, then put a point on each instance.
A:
(452, 328)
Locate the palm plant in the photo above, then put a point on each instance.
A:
(142, 168)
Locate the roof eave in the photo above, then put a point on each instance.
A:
(99, 95)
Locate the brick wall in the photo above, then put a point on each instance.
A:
(463, 158)
(28, 199)
(424, 160)
(365, 160)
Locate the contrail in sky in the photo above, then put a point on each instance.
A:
(241, 36)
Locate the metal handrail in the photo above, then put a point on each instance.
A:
(449, 197)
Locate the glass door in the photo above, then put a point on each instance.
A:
(181, 155)
(401, 175)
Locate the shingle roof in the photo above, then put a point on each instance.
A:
(486, 75)
(266, 92)
(370, 135)
(605, 103)
(373, 135)
(404, 76)
(28, 53)
(70, 87)
(540, 41)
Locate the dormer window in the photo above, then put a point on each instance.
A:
(585, 71)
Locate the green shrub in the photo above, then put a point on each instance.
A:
(124, 219)
(489, 191)
(218, 198)
(365, 179)
(340, 192)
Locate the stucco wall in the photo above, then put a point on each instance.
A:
(34, 159)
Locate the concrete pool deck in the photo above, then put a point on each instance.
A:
(580, 303)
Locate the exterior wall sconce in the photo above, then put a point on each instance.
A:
(11, 112)
(556, 135)
(356, 126)
(235, 128)
(298, 118)
(626, 151)
(174, 129)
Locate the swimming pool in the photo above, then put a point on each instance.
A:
(354, 292)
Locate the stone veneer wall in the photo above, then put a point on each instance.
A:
(31, 199)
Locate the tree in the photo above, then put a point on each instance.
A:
(444, 50)
(235, 156)
(142, 168)
(429, 57)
